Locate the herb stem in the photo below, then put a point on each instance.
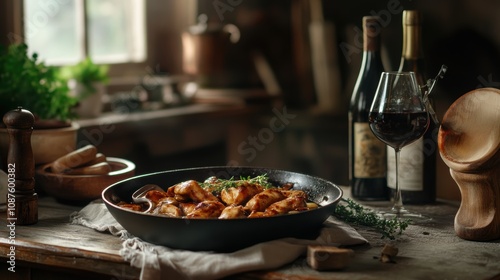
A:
(354, 213)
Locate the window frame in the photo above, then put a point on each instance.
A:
(125, 75)
(130, 68)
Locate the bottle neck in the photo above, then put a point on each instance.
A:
(412, 42)
(371, 33)
(371, 47)
(371, 57)
(412, 57)
(371, 43)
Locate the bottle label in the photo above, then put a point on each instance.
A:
(411, 167)
(369, 153)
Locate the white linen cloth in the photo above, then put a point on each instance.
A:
(159, 262)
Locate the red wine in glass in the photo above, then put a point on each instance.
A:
(398, 129)
(398, 117)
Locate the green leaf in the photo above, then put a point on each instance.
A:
(222, 184)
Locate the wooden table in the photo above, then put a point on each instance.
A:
(55, 249)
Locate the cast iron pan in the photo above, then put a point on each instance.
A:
(222, 235)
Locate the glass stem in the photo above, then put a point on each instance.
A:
(398, 200)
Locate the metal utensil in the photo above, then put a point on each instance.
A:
(427, 90)
(139, 196)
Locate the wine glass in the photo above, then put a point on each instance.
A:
(398, 117)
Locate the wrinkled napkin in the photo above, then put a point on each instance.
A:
(159, 262)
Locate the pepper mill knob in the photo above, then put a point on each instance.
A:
(21, 196)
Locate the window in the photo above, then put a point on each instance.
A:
(66, 31)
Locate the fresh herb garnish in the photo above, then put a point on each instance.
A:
(354, 213)
(221, 184)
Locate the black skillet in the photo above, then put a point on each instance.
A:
(222, 235)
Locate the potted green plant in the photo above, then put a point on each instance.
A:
(86, 81)
(27, 82)
(37, 87)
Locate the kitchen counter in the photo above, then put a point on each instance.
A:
(162, 139)
(55, 249)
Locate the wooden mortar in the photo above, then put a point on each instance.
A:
(469, 143)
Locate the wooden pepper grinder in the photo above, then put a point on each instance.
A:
(21, 168)
(469, 143)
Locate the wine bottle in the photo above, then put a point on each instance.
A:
(367, 154)
(417, 173)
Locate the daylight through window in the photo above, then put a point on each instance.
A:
(66, 31)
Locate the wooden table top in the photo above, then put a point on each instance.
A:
(429, 250)
(53, 241)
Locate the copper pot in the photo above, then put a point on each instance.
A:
(204, 47)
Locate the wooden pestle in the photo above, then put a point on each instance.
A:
(21, 196)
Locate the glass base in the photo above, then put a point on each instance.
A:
(401, 213)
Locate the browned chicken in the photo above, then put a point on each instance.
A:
(168, 200)
(168, 209)
(207, 209)
(190, 191)
(257, 214)
(187, 207)
(241, 194)
(212, 180)
(239, 199)
(211, 184)
(155, 196)
(233, 212)
(291, 193)
(297, 203)
(263, 199)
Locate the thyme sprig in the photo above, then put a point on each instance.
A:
(221, 184)
(354, 213)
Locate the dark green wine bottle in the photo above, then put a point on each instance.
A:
(367, 154)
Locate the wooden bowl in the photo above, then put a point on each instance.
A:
(81, 188)
(43, 142)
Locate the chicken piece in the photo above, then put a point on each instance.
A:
(190, 191)
(168, 209)
(207, 209)
(257, 214)
(294, 203)
(155, 196)
(291, 193)
(233, 212)
(241, 194)
(211, 180)
(286, 186)
(168, 200)
(187, 207)
(211, 184)
(263, 199)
